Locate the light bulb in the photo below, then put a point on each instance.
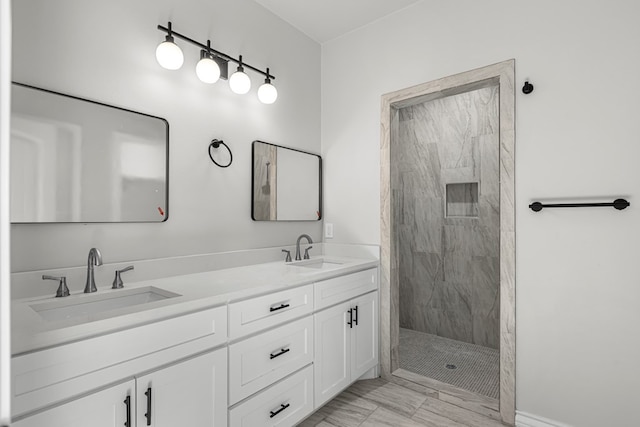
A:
(239, 82)
(207, 69)
(267, 93)
(169, 54)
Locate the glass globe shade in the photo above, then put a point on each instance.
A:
(208, 70)
(240, 83)
(169, 55)
(267, 93)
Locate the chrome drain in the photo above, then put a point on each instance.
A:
(450, 366)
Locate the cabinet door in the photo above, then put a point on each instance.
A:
(189, 393)
(106, 408)
(332, 351)
(364, 335)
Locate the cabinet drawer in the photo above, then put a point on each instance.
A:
(283, 404)
(264, 359)
(339, 289)
(256, 314)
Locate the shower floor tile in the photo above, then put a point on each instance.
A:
(467, 366)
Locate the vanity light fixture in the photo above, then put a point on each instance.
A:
(267, 93)
(169, 54)
(214, 65)
(207, 68)
(239, 82)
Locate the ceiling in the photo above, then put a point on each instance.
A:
(325, 20)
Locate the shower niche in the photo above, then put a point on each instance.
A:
(461, 200)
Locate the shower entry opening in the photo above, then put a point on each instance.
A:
(447, 274)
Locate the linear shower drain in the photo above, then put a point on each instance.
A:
(450, 366)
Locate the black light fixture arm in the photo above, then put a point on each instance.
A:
(209, 49)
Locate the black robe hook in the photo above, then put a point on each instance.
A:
(527, 88)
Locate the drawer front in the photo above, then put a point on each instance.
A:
(281, 405)
(266, 358)
(339, 289)
(256, 314)
(45, 377)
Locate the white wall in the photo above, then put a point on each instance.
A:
(105, 51)
(578, 287)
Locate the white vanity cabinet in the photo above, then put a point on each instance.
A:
(189, 393)
(346, 336)
(174, 357)
(110, 407)
(266, 360)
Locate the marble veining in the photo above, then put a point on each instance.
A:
(501, 74)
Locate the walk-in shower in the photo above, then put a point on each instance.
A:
(446, 217)
(447, 280)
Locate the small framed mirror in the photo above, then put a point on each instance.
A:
(286, 184)
(75, 160)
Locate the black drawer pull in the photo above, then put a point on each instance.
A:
(350, 322)
(280, 307)
(282, 408)
(148, 414)
(356, 316)
(282, 351)
(127, 402)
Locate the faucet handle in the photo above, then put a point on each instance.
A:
(306, 252)
(62, 291)
(117, 281)
(288, 257)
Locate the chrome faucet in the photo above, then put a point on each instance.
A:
(95, 258)
(306, 254)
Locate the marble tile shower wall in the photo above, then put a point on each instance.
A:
(449, 266)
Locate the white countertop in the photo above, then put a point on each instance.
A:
(196, 292)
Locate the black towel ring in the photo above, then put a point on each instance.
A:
(215, 143)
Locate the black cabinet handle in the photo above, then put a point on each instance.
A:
(282, 408)
(282, 351)
(280, 307)
(356, 316)
(127, 402)
(148, 414)
(350, 322)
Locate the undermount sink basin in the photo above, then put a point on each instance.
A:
(318, 264)
(90, 304)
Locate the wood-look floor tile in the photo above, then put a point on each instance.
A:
(382, 417)
(348, 410)
(455, 413)
(476, 404)
(389, 395)
(314, 419)
(431, 419)
(378, 402)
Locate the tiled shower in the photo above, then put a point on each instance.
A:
(445, 195)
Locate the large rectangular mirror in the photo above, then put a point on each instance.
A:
(286, 184)
(75, 160)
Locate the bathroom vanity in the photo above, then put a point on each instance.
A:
(265, 344)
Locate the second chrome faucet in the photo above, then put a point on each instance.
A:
(95, 258)
(306, 252)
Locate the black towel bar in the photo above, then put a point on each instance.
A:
(618, 204)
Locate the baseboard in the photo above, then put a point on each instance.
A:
(524, 419)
